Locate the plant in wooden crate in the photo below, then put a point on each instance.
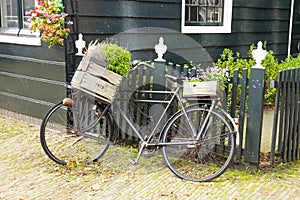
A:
(102, 69)
(117, 57)
(49, 19)
(207, 82)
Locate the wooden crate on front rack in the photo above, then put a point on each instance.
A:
(200, 89)
(93, 78)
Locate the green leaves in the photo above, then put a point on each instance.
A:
(233, 61)
(117, 58)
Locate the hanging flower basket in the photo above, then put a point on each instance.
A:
(48, 18)
(200, 89)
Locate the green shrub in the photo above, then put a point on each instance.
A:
(117, 58)
(290, 62)
(232, 61)
(271, 73)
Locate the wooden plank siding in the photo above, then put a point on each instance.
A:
(103, 19)
(31, 78)
(107, 18)
(251, 21)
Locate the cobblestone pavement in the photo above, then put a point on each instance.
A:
(26, 173)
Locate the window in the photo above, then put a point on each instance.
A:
(206, 16)
(14, 24)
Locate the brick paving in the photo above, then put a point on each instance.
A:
(26, 173)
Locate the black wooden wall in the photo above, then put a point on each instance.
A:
(31, 78)
(251, 21)
(260, 20)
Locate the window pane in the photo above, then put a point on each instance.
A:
(204, 12)
(27, 6)
(9, 15)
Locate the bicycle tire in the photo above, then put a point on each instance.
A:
(63, 141)
(209, 157)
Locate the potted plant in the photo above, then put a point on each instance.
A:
(116, 57)
(102, 69)
(205, 83)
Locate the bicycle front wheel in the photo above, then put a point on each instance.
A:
(203, 159)
(75, 134)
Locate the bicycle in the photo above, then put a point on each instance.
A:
(197, 141)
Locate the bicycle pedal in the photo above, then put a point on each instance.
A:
(133, 161)
(148, 153)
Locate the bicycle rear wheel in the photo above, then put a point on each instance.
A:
(201, 160)
(75, 134)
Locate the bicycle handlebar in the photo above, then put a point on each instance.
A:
(137, 63)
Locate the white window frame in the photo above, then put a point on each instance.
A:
(19, 36)
(225, 28)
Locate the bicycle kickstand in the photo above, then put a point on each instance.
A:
(135, 161)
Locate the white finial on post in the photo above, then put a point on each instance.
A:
(80, 45)
(160, 50)
(259, 54)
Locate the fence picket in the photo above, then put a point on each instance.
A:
(148, 75)
(282, 105)
(125, 107)
(295, 114)
(286, 116)
(139, 118)
(275, 119)
(242, 111)
(234, 90)
(297, 120)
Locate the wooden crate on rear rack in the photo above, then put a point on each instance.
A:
(200, 89)
(93, 78)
